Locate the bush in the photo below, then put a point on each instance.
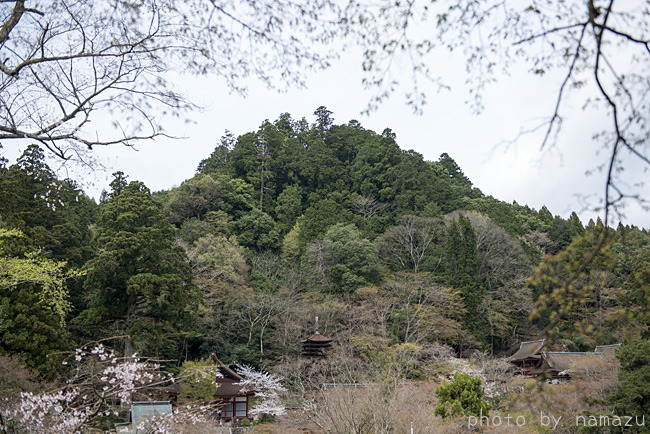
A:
(461, 397)
(198, 380)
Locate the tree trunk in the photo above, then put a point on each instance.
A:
(129, 347)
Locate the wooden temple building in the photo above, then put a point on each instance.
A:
(527, 356)
(531, 359)
(233, 400)
(565, 364)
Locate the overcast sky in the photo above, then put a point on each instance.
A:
(520, 171)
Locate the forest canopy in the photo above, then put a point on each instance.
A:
(403, 261)
(295, 220)
(68, 63)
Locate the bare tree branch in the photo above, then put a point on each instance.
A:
(67, 63)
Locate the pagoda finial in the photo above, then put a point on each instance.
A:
(317, 324)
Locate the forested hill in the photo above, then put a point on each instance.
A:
(345, 173)
(393, 253)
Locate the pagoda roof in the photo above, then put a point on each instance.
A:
(317, 338)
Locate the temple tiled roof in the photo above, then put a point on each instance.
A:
(227, 380)
(528, 350)
(607, 349)
(563, 363)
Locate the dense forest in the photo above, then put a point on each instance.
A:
(398, 257)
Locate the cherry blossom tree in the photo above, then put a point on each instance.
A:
(266, 386)
(102, 386)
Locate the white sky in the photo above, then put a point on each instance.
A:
(522, 172)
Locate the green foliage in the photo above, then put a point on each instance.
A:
(562, 232)
(195, 198)
(512, 218)
(416, 185)
(282, 223)
(462, 397)
(374, 162)
(390, 362)
(461, 257)
(322, 215)
(118, 184)
(220, 161)
(238, 197)
(575, 291)
(343, 260)
(632, 397)
(217, 260)
(292, 248)
(202, 196)
(462, 268)
(198, 380)
(454, 171)
(328, 170)
(34, 302)
(193, 229)
(257, 230)
(50, 276)
(294, 182)
(53, 214)
(633, 255)
(321, 170)
(31, 329)
(137, 275)
(288, 208)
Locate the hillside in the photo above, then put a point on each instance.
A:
(406, 264)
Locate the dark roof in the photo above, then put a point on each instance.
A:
(528, 350)
(174, 388)
(227, 380)
(228, 387)
(224, 370)
(565, 362)
(317, 338)
(316, 345)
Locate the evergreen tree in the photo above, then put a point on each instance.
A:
(194, 198)
(54, 215)
(576, 292)
(220, 161)
(462, 269)
(138, 281)
(454, 171)
(288, 208)
(461, 397)
(34, 303)
(632, 397)
(257, 230)
(320, 216)
(461, 254)
(323, 122)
